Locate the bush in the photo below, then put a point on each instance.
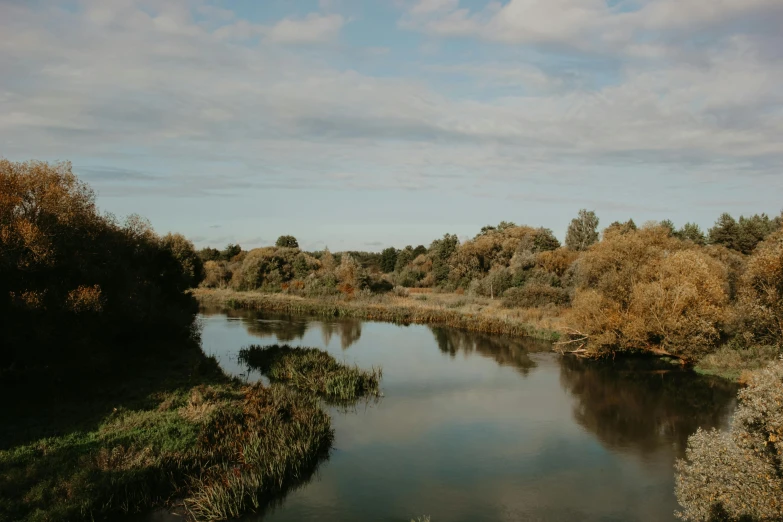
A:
(644, 290)
(534, 295)
(761, 292)
(215, 275)
(738, 475)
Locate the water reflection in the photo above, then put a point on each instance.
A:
(349, 331)
(506, 351)
(639, 405)
(285, 328)
(460, 435)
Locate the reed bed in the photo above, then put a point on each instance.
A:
(313, 371)
(472, 317)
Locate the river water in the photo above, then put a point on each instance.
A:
(477, 427)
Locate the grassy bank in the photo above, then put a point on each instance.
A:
(456, 311)
(312, 371)
(171, 430)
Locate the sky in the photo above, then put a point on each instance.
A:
(365, 124)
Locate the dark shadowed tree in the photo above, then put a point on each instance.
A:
(725, 232)
(545, 240)
(287, 242)
(388, 260)
(691, 232)
(419, 250)
(209, 254)
(230, 251)
(583, 231)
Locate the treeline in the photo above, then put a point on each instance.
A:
(74, 281)
(658, 288)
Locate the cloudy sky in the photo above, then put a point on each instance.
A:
(360, 124)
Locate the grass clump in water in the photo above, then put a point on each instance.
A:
(260, 448)
(312, 370)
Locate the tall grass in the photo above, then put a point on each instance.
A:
(312, 370)
(381, 308)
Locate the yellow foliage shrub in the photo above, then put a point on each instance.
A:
(643, 290)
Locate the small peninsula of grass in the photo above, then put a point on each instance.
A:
(176, 433)
(313, 371)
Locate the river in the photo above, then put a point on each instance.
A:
(476, 427)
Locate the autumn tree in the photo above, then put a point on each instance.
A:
(645, 290)
(583, 231)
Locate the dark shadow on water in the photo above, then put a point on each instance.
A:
(506, 351)
(638, 404)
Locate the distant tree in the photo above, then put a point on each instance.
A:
(328, 262)
(691, 232)
(725, 232)
(753, 230)
(669, 225)
(545, 240)
(441, 250)
(742, 235)
(209, 254)
(287, 242)
(230, 252)
(583, 231)
(388, 260)
(419, 250)
(404, 257)
(620, 228)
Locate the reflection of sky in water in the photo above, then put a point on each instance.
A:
(475, 427)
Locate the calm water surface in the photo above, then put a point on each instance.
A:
(484, 428)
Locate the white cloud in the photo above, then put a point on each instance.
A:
(314, 28)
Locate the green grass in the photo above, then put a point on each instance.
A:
(169, 431)
(733, 360)
(312, 370)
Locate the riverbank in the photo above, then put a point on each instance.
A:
(476, 314)
(445, 309)
(169, 430)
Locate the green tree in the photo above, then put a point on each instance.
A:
(404, 257)
(209, 254)
(583, 231)
(545, 240)
(725, 232)
(691, 232)
(419, 250)
(287, 242)
(230, 252)
(441, 250)
(388, 260)
(669, 225)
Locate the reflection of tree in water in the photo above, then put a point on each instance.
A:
(349, 331)
(640, 405)
(507, 351)
(284, 327)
